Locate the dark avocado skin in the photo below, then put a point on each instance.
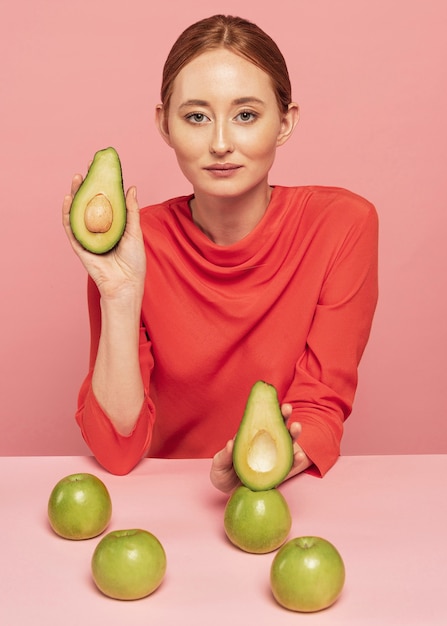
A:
(103, 177)
(263, 447)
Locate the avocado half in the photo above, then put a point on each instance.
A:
(98, 210)
(263, 447)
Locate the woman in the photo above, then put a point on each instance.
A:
(237, 282)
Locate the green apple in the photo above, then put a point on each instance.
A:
(307, 574)
(79, 507)
(128, 564)
(257, 521)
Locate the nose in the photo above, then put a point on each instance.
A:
(221, 142)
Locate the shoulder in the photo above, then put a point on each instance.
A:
(166, 222)
(164, 211)
(336, 206)
(321, 197)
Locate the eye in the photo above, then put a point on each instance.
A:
(197, 118)
(247, 116)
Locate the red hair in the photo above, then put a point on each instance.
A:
(238, 35)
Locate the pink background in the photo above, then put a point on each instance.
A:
(370, 78)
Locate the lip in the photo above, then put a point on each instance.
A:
(222, 170)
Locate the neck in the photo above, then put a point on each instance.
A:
(226, 221)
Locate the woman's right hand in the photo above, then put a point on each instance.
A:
(122, 270)
(222, 473)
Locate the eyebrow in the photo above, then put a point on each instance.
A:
(204, 103)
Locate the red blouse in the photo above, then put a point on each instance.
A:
(291, 304)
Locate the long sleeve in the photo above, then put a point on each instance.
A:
(117, 453)
(325, 381)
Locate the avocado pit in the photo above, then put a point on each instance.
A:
(98, 216)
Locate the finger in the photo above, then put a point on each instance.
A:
(224, 458)
(66, 222)
(66, 208)
(66, 205)
(132, 207)
(295, 430)
(300, 460)
(133, 214)
(68, 199)
(131, 199)
(286, 410)
(76, 183)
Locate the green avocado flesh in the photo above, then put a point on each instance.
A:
(98, 210)
(263, 447)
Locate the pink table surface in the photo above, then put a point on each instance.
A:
(387, 515)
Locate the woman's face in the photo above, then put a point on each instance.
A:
(224, 124)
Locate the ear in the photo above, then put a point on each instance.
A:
(288, 122)
(161, 120)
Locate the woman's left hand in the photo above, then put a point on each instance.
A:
(300, 460)
(222, 473)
